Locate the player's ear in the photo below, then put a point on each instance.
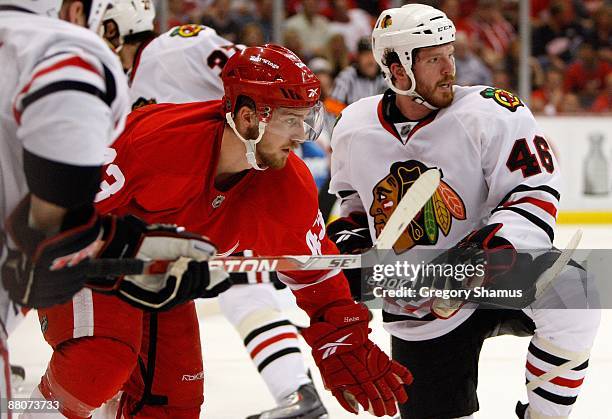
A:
(246, 117)
(73, 12)
(400, 77)
(111, 33)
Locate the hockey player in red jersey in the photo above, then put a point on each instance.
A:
(251, 304)
(186, 164)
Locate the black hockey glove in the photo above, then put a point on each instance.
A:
(186, 278)
(503, 276)
(43, 271)
(352, 236)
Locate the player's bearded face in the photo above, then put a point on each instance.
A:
(283, 134)
(434, 71)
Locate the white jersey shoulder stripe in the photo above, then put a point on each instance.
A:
(66, 79)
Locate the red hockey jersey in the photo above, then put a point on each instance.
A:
(164, 172)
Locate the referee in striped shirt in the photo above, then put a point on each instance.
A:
(362, 79)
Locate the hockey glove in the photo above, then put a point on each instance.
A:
(353, 368)
(44, 271)
(352, 236)
(186, 278)
(502, 268)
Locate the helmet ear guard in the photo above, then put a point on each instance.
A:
(404, 30)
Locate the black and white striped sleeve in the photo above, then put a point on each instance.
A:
(64, 109)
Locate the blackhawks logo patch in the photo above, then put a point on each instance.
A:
(187, 31)
(502, 97)
(434, 219)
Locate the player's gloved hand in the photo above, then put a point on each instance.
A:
(352, 236)
(353, 368)
(186, 278)
(503, 268)
(44, 271)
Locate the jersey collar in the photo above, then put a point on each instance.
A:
(394, 121)
(141, 48)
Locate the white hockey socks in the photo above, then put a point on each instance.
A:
(272, 342)
(554, 377)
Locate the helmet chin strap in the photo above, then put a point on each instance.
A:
(410, 92)
(249, 144)
(415, 96)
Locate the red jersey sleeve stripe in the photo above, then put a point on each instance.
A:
(545, 205)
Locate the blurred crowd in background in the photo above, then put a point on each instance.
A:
(571, 51)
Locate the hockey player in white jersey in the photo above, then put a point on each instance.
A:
(500, 189)
(184, 65)
(64, 101)
(178, 66)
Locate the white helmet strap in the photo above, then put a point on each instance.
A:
(249, 144)
(409, 92)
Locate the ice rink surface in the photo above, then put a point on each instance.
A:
(234, 390)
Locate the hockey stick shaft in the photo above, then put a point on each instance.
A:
(545, 280)
(408, 207)
(114, 267)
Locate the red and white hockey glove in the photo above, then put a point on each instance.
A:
(187, 277)
(353, 368)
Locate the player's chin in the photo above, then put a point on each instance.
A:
(278, 161)
(442, 100)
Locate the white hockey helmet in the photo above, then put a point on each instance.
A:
(49, 8)
(404, 30)
(97, 8)
(131, 16)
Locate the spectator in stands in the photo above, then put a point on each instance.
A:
(352, 23)
(311, 26)
(292, 40)
(586, 76)
(373, 7)
(452, 8)
(603, 102)
(255, 11)
(492, 31)
(512, 61)
(251, 35)
(263, 15)
(549, 98)
(600, 35)
(323, 70)
(558, 38)
(471, 70)
(181, 12)
(336, 52)
(220, 17)
(502, 80)
(570, 104)
(359, 80)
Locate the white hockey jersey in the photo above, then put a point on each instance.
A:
(63, 98)
(181, 65)
(496, 168)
